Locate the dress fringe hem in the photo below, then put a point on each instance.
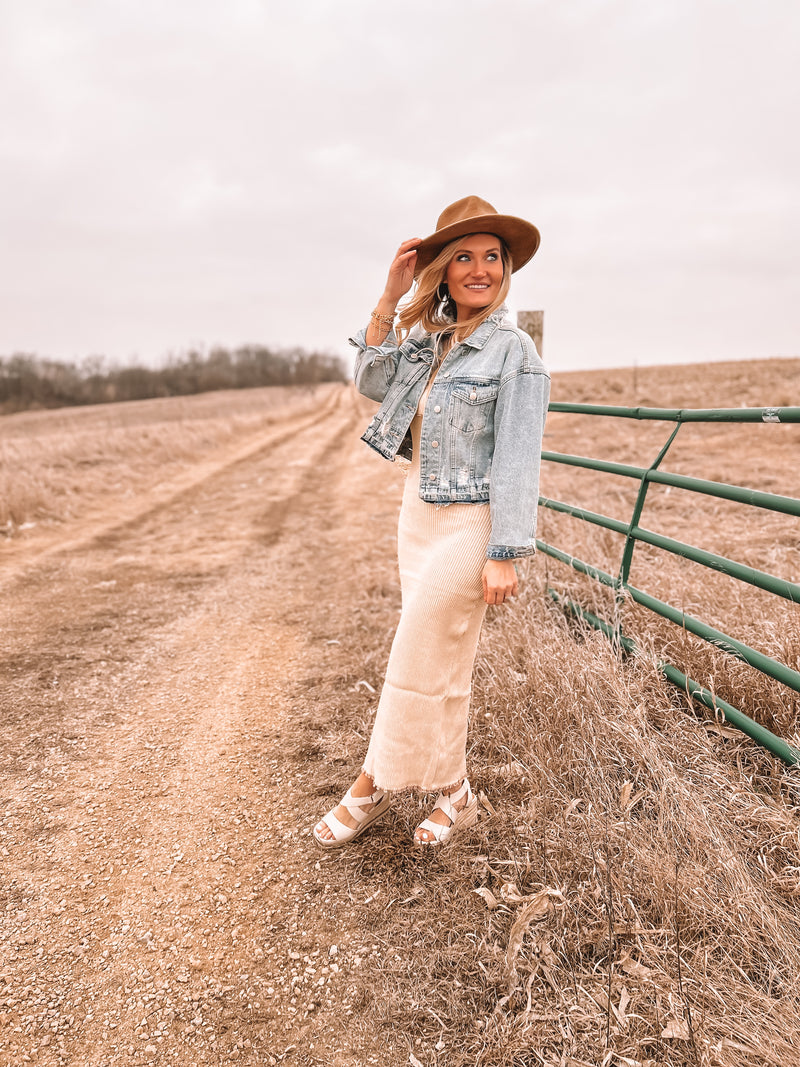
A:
(437, 788)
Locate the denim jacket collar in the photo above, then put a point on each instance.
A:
(478, 338)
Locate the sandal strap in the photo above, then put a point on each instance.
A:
(338, 829)
(446, 802)
(355, 805)
(436, 828)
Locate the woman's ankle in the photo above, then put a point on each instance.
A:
(363, 786)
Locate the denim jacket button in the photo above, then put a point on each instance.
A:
(437, 409)
(434, 444)
(431, 477)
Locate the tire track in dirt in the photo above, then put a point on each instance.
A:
(159, 774)
(129, 513)
(71, 592)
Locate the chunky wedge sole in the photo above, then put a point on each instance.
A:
(460, 819)
(343, 835)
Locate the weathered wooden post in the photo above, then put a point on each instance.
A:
(532, 322)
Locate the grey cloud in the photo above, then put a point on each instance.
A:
(244, 171)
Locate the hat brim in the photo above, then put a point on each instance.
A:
(520, 237)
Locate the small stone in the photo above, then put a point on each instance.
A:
(333, 950)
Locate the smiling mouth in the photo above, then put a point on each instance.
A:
(477, 286)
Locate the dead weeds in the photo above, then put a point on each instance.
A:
(630, 893)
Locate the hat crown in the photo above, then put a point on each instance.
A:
(473, 214)
(469, 207)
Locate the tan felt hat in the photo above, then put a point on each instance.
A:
(473, 215)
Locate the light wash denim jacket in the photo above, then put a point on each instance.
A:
(482, 426)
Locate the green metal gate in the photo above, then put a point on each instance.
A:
(634, 533)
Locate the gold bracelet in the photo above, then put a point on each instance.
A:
(381, 320)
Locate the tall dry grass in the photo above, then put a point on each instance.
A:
(631, 895)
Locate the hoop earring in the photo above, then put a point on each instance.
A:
(443, 293)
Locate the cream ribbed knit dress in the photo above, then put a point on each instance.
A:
(420, 732)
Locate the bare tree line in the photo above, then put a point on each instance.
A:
(30, 381)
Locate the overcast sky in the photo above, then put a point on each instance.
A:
(178, 172)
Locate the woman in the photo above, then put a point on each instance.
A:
(464, 394)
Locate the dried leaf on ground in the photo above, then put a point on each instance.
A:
(537, 908)
(677, 1029)
(491, 900)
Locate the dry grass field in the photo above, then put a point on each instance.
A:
(198, 601)
(56, 465)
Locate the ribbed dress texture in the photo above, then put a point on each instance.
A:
(420, 731)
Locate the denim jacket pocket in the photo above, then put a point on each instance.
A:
(472, 406)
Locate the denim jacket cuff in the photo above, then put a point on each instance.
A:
(509, 551)
(385, 350)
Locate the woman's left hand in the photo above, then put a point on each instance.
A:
(499, 581)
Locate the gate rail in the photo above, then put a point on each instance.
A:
(633, 533)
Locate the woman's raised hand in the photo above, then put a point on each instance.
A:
(400, 280)
(401, 272)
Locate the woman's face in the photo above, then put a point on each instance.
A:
(475, 273)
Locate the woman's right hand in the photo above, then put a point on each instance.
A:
(401, 272)
(400, 280)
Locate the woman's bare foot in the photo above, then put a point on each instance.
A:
(362, 787)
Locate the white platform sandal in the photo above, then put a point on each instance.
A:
(343, 834)
(459, 818)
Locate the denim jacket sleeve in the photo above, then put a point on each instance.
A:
(375, 365)
(514, 490)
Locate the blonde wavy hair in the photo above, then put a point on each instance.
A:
(434, 311)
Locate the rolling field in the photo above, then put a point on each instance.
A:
(198, 598)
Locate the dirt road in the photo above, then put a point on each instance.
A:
(173, 673)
